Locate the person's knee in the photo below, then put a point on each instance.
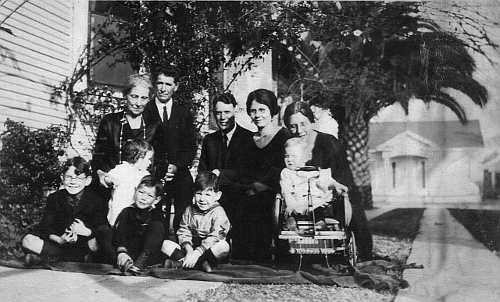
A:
(104, 231)
(221, 249)
(156, 227)
(168, 247)
(32, 243)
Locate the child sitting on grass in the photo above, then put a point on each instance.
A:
(296, 185)
(203, 229)
(70, 221)
(138, 231)
(125, 177)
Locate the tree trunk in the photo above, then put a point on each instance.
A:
(355, 140)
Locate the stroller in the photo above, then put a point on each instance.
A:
(336, 238)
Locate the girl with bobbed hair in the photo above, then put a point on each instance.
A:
(252, 235)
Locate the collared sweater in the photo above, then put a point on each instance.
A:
(207, 227)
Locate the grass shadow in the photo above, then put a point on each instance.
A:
(484, 225)
(400, 223)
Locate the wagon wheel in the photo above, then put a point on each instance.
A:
(277, 220)
(352, 251)
(277, 213)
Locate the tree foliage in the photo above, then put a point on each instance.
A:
(374, 54)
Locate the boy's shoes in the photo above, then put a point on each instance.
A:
(140, 263)
(206, 266)
(88, 259)
(127, 266)
(320, 225)
(173, 264)
(32, 260)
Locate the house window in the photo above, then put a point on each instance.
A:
(423, 174)
(108, 72)
(394, 175)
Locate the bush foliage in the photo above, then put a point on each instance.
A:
(29, 166)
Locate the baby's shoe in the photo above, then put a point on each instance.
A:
(320, 225)
(173, 264)
(291, 225)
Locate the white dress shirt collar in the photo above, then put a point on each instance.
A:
(160, 106)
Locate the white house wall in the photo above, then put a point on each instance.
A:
(48, 38)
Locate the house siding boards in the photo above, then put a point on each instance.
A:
(36, 58)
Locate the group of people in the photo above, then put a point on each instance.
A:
(141, 163)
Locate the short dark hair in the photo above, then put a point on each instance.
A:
(168, 71)
(137, 80)
(206, 180)
(81, 165)
(264, 97)
(136, 149)
(226, 98)
(151, 182)
(297, 107)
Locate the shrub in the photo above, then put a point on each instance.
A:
(29, 164)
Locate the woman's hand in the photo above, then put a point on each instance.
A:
(171, 171)
(111, 181)
(102, 178)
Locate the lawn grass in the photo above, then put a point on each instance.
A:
(393, 234)
(484, 225)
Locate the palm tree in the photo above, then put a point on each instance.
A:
(382, 57)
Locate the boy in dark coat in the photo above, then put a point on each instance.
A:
(138, 231)
(70, 220)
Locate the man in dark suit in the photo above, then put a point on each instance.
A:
(225, 150)
(174, 144)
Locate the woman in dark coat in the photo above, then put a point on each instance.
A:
(327, 152)
(116, 128)
(252, 234)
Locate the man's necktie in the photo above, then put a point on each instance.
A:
(73, 201)
(165, 115)
(223, 151)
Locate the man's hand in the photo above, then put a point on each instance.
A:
(124, 261)
(256, 187)
(171, 171)
(79, 228)
(191, 259)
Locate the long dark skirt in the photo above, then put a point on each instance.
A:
(252, 230)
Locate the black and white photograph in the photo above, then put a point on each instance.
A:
(250, 150)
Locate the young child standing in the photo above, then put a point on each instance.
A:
(203, 229)
(125, 177)
(70, 220)
(138, 231)
(297, 184)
